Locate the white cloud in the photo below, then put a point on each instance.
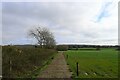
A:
(71, 22)
(0, 23)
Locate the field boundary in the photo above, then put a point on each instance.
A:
(36, 72)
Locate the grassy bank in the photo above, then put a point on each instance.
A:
(21, 62)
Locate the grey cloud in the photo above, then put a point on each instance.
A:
(66, 20)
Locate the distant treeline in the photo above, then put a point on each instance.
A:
(73, 46)
(93, 46)
(89, 47)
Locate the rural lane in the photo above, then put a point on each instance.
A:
(58, 68)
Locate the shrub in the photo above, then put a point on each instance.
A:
(98, 48)
(62, 47)
(19, 62)
(118, 48)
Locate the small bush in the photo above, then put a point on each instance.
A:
(98, 48)
(118, 49)
(20, 62)
(62, 47)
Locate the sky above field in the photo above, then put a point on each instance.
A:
(80, 22)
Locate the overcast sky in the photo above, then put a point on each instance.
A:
(71, 22)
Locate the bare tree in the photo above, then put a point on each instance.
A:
(43, 36)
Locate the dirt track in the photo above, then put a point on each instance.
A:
(58, 68)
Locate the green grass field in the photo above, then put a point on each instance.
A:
(94, 63)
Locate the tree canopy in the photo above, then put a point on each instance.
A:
(43, 36)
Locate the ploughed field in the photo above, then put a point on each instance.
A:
(93, 63)
(24, 62)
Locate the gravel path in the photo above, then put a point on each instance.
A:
(58, 68)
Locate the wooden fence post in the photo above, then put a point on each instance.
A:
(77, 69)
(10, 66)
(67, 56)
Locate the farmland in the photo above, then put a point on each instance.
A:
(93, 63)
(22, 62)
